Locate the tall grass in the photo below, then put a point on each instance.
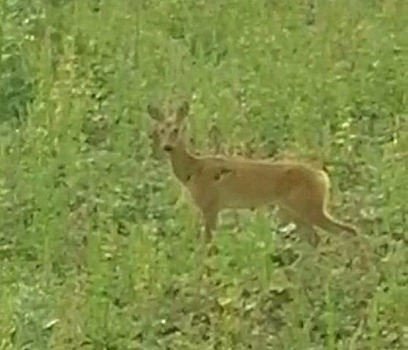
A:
(94, 255)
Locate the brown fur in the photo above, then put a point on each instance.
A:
(215, 183)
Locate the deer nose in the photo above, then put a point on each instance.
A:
(167, 148)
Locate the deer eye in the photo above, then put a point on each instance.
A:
(175, 130)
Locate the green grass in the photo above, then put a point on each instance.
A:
(93, 253)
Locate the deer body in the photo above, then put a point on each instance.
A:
(215, 183)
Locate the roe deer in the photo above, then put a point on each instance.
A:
(300, 191)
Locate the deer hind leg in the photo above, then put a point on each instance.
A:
(306, 229)
(328, 223)
(320, 217)
(312, 209)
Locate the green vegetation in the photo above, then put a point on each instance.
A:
(93, 252)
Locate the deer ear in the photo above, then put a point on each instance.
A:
(182, 111)
(154, 112)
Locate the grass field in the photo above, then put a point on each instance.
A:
(93, 252)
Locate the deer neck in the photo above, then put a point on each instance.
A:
(184, 164)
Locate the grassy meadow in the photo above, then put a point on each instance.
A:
(94, 253)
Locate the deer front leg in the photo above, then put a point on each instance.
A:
(210, 223)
